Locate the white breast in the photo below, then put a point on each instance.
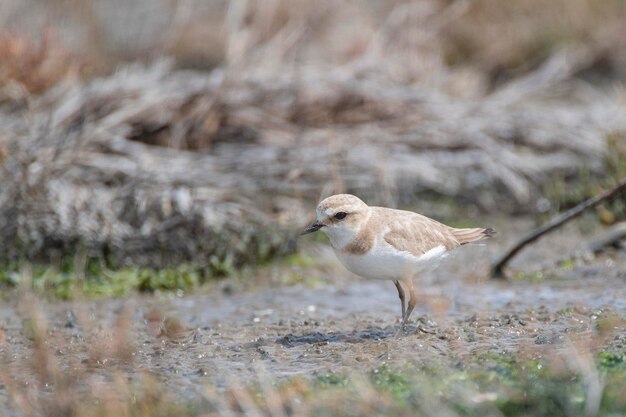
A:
(384, 261)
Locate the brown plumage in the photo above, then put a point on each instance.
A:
(410, 232)
(384, 243)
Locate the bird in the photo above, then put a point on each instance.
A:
(380, 243)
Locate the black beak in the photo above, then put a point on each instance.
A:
(312, 228)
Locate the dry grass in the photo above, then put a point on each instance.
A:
(505, 39)
(86, 374)
(31, 67)
(472, 44)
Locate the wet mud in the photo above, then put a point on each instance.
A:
(342, 325)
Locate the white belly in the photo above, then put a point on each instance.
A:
(385, 262)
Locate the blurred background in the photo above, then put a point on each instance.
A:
(198, 130)
(150, 146)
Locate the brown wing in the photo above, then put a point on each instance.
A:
(417, 234)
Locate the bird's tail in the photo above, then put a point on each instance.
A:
(464, 236)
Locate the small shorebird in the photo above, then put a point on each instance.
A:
(384, 243)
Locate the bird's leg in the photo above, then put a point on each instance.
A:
(401, 295)
(408, 283)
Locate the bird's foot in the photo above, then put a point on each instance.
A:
(402, 329)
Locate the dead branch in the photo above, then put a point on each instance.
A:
(498, 269)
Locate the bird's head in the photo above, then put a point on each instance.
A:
(341, 214)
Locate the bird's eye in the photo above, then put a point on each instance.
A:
(341, 215)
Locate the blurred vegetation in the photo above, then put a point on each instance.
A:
(70, 270)
(507, 38)
(565, 193)
(487, 385)
(32, 66)
(497, 40)
(92, 278)
(102, 282)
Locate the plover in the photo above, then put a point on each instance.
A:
(384, 243)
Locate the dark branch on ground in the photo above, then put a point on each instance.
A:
(497, 271)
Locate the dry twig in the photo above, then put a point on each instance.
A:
(498, 268)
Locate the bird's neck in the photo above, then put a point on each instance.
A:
(341, 236)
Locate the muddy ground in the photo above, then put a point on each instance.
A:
(332, 322)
